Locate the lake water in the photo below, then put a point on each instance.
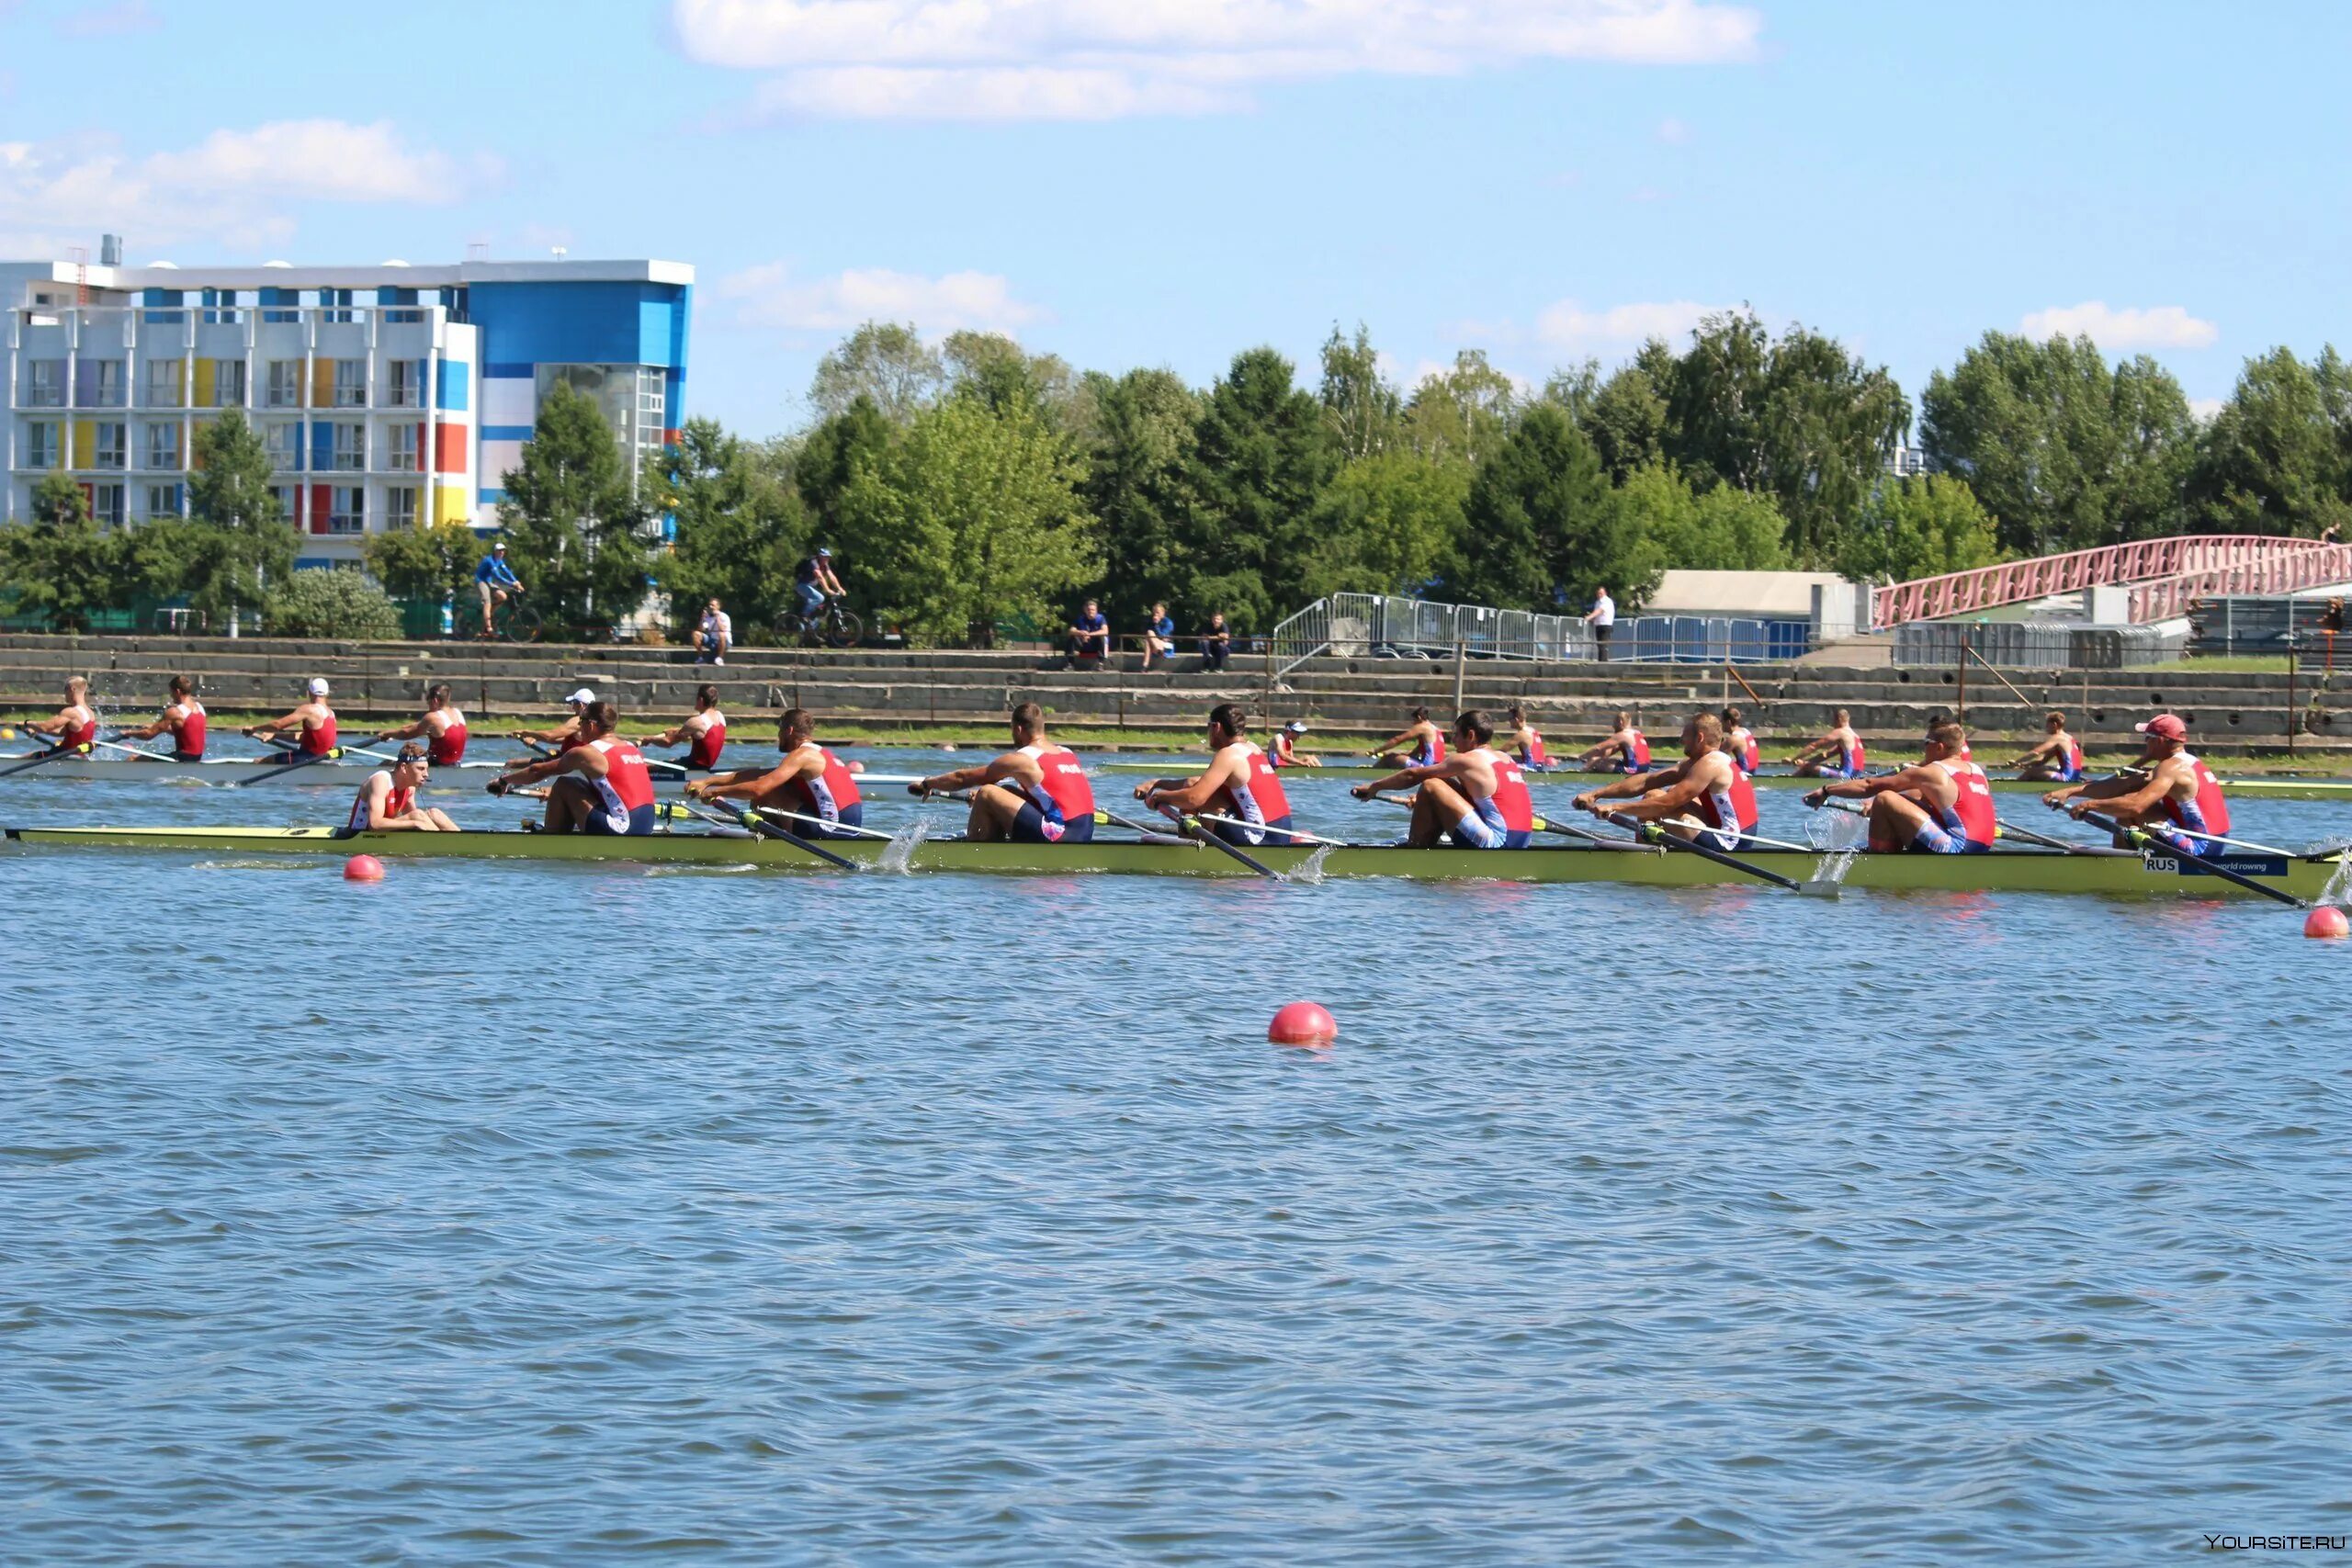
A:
(522, 1213)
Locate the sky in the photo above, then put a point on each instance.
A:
(1169, 182)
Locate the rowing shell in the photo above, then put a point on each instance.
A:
(2266, 789)
(2007, 869)
(219, 769)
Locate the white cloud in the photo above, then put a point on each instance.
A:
(1674, 132)
(1570, 325)
(2160, 326)
(110, 21)
(326, 160)
(769, 297)
(1103, 59)
(2206, 409)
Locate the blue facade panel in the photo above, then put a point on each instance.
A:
(453, 394)
(321, 446)
(579, 323)
(506, 433)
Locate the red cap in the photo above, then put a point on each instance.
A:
(2166, 724)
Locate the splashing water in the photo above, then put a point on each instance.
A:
(1839, 835)
(2338, 891)
(1310, 870)
(898, 856)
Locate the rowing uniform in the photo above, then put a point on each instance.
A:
(1059, 808)
(81, 734)
(1634, 754)
(1428, 753)
(833, 798)
(703, 746)
(625, 795)
(1745, 749)
(397, 802)
(1283, 755)
(2070, 763)
(1257, 802)
(447, 748)
(1532, 757)
(186, 720)
(1503, 821)
(2194, 821)
(1851, 760)
(1729, 811)
(1966, 826)
(319, 742)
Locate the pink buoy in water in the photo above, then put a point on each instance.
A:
(1303, 1023)
(363, 868)
(2326, 922)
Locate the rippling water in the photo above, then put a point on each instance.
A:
(548, 1214)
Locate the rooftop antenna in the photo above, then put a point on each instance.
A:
(81, 255)
(477, 250)
(560, 251)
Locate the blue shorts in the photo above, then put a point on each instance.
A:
(1277, 834)
(847, 817)
(1631, 767)
(1836, 771)
(641, 821)
(1936, 841)
(1030, 826)
(2181, 841)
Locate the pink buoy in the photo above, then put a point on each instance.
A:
(2325, 922)
(1303, 1023)
(363, 868)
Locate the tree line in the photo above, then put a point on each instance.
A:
(971, 482)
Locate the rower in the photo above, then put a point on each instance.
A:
(1837, 755)
(311, 719)
(564, 736)
(1740, 741)
(1034, 794)
(1239, 784)
(1418, 745)
(387, 799)
(702, 733)
(599, 784)
(1477, 796)
(1286, 754)
(810, 781)
(182, 717)
(442, 727)
(75, 728)
(1707, 798)
(2173, 797)
(2058, 758)
(1627, 750)
(1941, 806)
(1528, 741)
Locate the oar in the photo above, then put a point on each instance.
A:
(136, 751)
(1295, 833)
(1652, 833)
(2140, 839)
(311, 760)
(1200, 835)
(853, 831)
(2012, 830)
(62, 751)
(749, 817)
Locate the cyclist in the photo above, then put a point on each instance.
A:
(814, 584)
(496, 582)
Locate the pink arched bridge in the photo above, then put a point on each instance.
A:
(2164, 576)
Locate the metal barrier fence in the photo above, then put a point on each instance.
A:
(1709, 640)
(1380, 625)
(2034, 645)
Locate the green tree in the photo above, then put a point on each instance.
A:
(60, 563)
(1387, 524)
(1136, 485)
(1464, 413)
(2278, 458)
(1363, 405)
(431, 562)
(1625, 418)
(830, 456)
(574, 534)
(1681, 528)
(330, 604)
(1541, 526)
(1000, 373)
(242, 541)
(742, 527)
(1919, 527)
(1261, 455)
(885, 362)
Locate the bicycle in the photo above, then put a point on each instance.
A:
(832, 627)
(511, 620)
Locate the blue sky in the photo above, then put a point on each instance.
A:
(1165, 182)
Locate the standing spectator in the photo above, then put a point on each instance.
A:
(1090, 634)
(715, 635)
(1159, 635)
(1602, 619)
(1216, 643)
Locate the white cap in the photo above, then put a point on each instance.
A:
(1296, 726)
(318, 685)
(582, 695)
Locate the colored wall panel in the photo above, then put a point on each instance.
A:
(457, 384)
(86, 442)
(449, 453)
(204, 383)
(449, 504)
(322, 445)
(581, 324)
(509, 400)
(322, 504)
(497, 457)
(323, 383)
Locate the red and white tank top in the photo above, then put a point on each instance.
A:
(1637, 748)
(1745, 749)
(81, 731)
(627, 782)
(1510, 797)
(1971, 814)
(826, 797)
(1532, 746)
(1732, 804)
(703, 747)
(186, 720)
(447, 748)
(1260, 798)
(1063, 794)
(397, 802)
(1855, 757)
(320, 741)
(2208, 813)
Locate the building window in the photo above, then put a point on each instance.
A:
(111, 448)
(44, 383)
(227, 383)
(285, 494)
(334, 304)
(105, 383)
(284, 441)
(282, 388)
(652, 404)
(349, 452)
(403, 378)
(163, 447)
(40, 444)
(106, 505)
(400, 507)
(347, 510)
(166, 382)
(400, 450)
(351, 383)
(163, 500)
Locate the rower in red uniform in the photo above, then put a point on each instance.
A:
(386, 800)
(1418, 745)
(1034, 794)
(1238, 786)
(1285, 752)
(701, 732)
(1837, 755)
(601, 785)
(182, 718)
(2057, 758)
(1626, 751)
(2172, 797)
(442, 727)
(810, 785)
(1941, 804)
(1741, 742)
(1477, 796)
(1528, 741)
(311, 719)
(1706, 798)
(75, 728)
(564, 736)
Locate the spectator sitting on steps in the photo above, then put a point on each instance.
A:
(715, 635)
(1216, 643)
(1159, 635)
(1090, 634)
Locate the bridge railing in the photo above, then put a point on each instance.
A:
(1362, 626)
(2197, 563)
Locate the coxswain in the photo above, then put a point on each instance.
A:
(387, 799)
(701, 732)
(1419, 744)
(2058, 758)
(1239, 784)
(1627, 750)
(182, 718)
(441, 726)
(1837, 755)
(1527, 741)
(1034, 794)
(311, 720)
(1286, 754)
(75, 728)
(564, 736)
(809, 782)
(1707, 798)
(599, 785)
(1477, 796)
(1939, 805)
(2172, 796)
(1740, 741)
